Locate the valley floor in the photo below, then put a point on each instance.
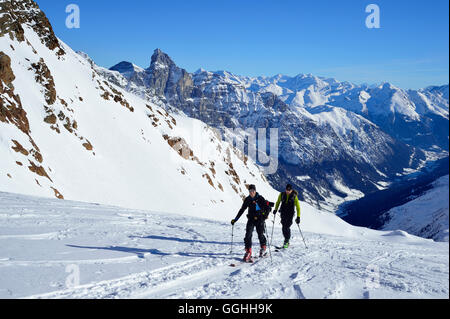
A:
(46, 245)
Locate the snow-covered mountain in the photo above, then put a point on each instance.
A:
(337, 141)
(66, 132)
(71, 129)
(416, 117)
(425, 216)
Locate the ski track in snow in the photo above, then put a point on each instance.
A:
(124, 253)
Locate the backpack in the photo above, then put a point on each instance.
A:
(267, 207)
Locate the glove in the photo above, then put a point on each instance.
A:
(275, 212)
(298, 220)
(233, 221)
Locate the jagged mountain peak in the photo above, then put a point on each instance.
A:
(160, 60)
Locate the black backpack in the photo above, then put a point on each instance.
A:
(267, 207)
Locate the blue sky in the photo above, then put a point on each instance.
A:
(267, 37)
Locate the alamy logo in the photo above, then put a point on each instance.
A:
(261, 145)
(373, 19)
(73, 19)
(263, 152)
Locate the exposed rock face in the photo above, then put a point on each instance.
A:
(51, 119)
(6, 73)
(39, 170)
(15, 13)
(163, 79)
(167, 79)
(88, 146)
(111, 93)
(19, 148)
(45, 78)
(11, 110)
(181, 147)
(57, 193)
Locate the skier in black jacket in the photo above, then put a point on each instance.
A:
(256, 218)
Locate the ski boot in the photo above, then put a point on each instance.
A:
(286, 245)
(263, 251)
(248, 255)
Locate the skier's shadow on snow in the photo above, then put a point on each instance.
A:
(138, 251)
(183, 240)
(141, 252)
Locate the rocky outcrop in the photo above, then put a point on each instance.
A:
(39, 170)
(180, 145)
(6, 73)
(45, 78)
(57, 193)
(14, 14)
(19, 148)
(11, 110)
(162, 78)
(165, 78)
(110, 93)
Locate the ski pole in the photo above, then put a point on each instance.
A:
(302, 235)
(265, 230)
(273, 225)
(232, 238)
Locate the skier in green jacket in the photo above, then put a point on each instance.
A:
(289, 202)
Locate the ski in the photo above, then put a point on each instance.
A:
(253, 261)
(240, 262)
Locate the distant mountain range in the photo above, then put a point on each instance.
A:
(337, 140)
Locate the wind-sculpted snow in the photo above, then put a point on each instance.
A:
(46, 245)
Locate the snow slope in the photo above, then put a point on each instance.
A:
(126, 253)
(426, 216)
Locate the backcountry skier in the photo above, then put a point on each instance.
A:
(289, 202)
(258, 212)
